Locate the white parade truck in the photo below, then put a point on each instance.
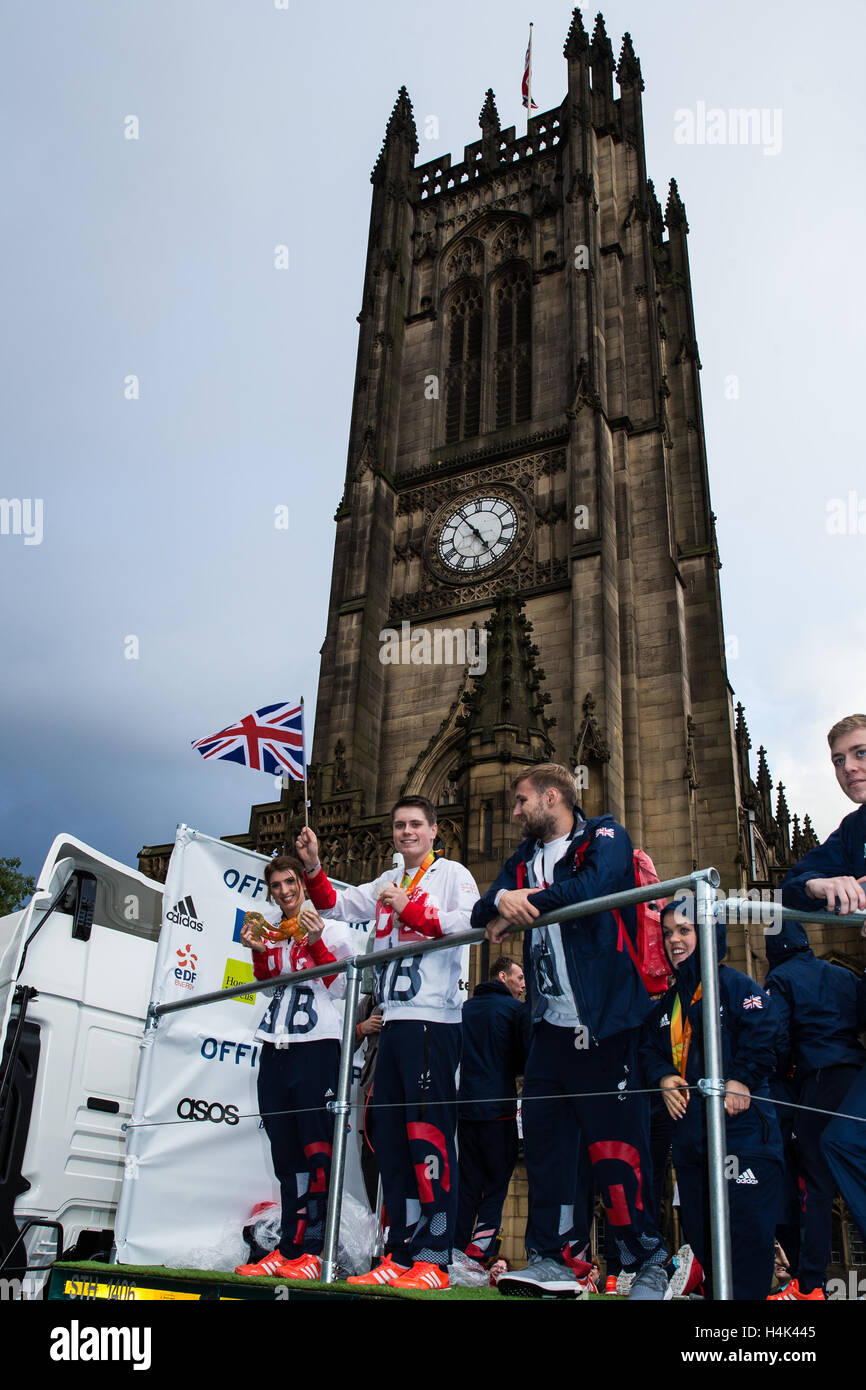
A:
(76, 967)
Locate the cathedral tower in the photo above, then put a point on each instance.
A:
(527, 474)
(525, 565)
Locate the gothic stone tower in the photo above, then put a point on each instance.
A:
(526, 522)
(526, 518)
(527, 453)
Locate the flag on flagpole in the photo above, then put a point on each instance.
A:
(271, 739)
(527, 77)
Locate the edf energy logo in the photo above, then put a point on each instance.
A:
(183, 914)
(185, 970)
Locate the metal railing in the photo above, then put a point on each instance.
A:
(702, 882)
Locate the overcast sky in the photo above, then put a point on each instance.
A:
(257, 127)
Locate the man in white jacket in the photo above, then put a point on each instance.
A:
(414, 1093)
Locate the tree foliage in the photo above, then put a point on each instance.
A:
(15, 888)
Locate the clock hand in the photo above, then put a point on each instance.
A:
(477, 533)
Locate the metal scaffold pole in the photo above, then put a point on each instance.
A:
(341, 1107)
(713, 1088)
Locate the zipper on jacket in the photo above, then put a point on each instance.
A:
(576, 989)
(586, 1014)
(576, 983)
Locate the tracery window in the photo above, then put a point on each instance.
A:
(513, 300)
(463, 380)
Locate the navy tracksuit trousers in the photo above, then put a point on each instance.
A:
(843, 1144)
(825, 1089)
(753, 1205)
(614, 1128)
(295, 1079)
(790, 1214)
(488, 1153)
(414, 1104)
(661, 1133)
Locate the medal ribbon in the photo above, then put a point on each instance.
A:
(410, 886)
(681, 1033)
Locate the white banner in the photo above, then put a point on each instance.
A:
(198, 1159)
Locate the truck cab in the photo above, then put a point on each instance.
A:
(76, 966)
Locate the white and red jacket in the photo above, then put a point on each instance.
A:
(421, 987)
(305, 1012)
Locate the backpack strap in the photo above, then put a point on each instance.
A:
(624, 938)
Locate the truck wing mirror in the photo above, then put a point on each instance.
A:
(84, 885)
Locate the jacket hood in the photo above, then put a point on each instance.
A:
(790, 941)
(688, 975)
(492, 987)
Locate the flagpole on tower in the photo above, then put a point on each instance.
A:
(304, 755)
(529, 79)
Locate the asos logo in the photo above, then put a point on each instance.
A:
(188, 1109)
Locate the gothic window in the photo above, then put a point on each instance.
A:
(513, 348)
(463, 379)
(448, 795)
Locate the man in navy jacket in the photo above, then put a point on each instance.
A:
(495, 1044)
(821, 1011)
(833, 876)
(587, 1002)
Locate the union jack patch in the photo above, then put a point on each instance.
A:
(753, 1001)
(604, 830)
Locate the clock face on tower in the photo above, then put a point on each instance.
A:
(476, 534)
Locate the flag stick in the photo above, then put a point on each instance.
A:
(529, 82)
(304, 751)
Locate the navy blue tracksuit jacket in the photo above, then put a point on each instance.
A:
(495, 1044)
(821, 1007)
(608, 990)
(843, 1141)
(822, 1010)
(842, 853)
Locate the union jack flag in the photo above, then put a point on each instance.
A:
(270, 739)
(606, 830)
(753, 1001)
(527, 74)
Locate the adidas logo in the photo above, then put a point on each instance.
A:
(664, 1021)
(748, 1177)
(184, 914)
(329, 1092)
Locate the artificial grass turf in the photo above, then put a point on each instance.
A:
(456, 1294)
